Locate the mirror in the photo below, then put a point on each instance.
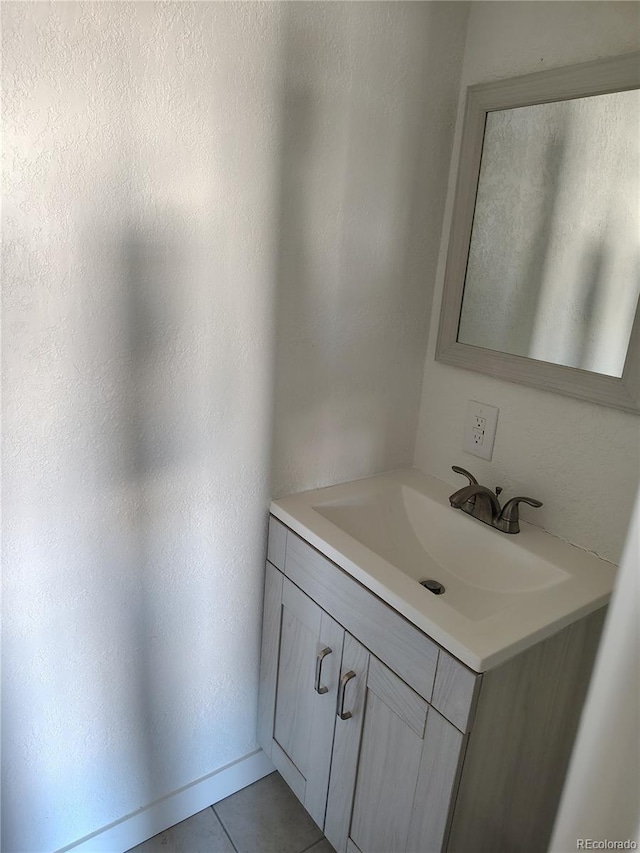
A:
(554, 260)
(543, 268)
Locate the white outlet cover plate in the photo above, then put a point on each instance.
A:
(470, 444)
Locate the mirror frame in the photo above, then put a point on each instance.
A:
(600, 77)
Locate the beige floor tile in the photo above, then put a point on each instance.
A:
(201, 833)
(267, 818)
(322, 846)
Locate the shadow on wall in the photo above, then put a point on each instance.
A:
(142, 376)
(540, 289)
(591, 296)
(126, 537)
(528, 293)
(157, 451)
(363, 168)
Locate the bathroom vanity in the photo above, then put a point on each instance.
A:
(408, 722)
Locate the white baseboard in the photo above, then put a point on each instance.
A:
(126, 833)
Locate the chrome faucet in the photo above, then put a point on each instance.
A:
(481, 503)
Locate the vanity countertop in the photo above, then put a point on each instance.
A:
(503, 593)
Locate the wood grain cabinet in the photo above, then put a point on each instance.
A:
(393, 745)
(395, 763)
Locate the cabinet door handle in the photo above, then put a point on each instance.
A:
(319, 658)
(344, 715)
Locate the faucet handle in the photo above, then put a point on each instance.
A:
(509, 518)
(470, 477)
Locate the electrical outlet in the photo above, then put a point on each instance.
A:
(480, 429)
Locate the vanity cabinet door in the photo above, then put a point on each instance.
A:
(305, 701)
(394, 768)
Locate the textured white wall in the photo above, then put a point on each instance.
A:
(366, 147)
(188, 185)
(581, 460)
(138, 236)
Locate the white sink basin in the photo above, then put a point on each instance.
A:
(482, 572)
(502, 592)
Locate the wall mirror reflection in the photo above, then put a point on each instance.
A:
(543, 269)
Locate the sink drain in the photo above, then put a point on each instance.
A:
(433, 586)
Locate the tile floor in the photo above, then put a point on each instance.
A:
(263, 818)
